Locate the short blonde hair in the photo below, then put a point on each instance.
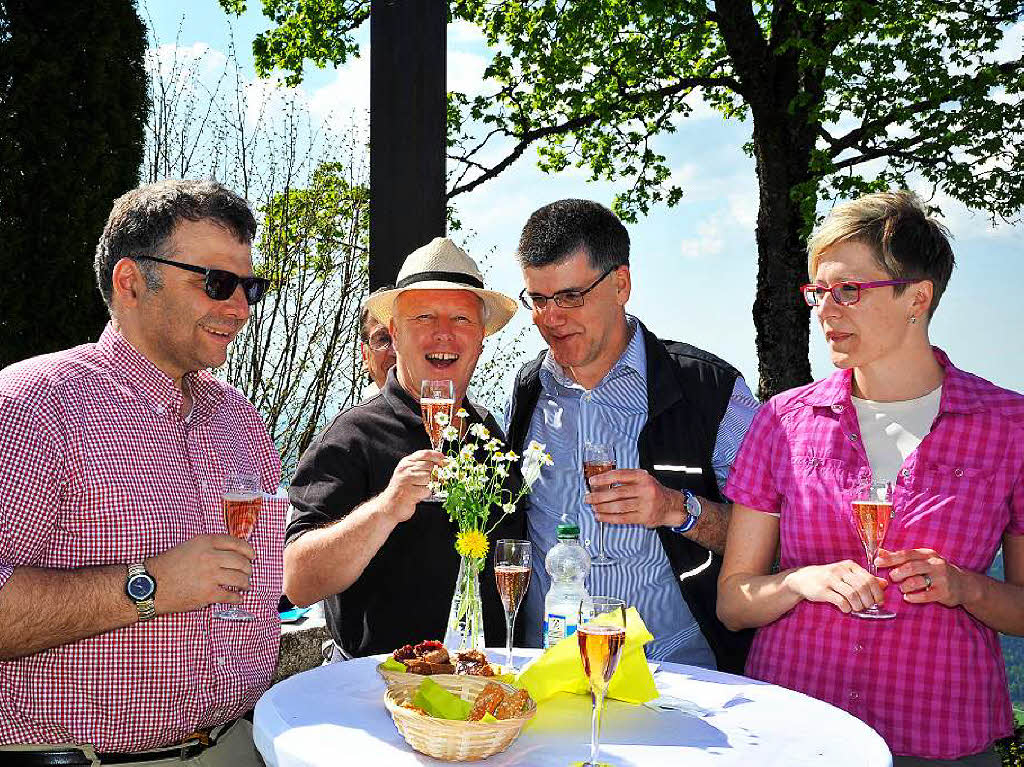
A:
(906, 242)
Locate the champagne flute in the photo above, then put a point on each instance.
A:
(602, 637)
(241, 502)
(512, 567)
(872, 511)
(437, 397)
(597, 459)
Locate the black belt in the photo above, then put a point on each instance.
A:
(77, 757)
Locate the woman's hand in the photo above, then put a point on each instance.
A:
(924, 576)
(845, 584)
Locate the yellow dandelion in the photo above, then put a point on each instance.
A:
(472, 543)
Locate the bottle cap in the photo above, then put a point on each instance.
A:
(568, 530)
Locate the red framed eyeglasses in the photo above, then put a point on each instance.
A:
(846, 293)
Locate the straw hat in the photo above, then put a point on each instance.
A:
(443, 265)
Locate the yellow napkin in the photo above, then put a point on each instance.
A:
(438, 702)
(560, 668)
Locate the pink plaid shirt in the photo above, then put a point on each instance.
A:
(931, 681)
(97, 468)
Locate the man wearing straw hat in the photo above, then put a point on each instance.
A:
(363, 536)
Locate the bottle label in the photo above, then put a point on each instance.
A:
(554, 629)
(557, 628)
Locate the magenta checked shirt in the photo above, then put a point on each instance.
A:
(932, 680)
(97, 467)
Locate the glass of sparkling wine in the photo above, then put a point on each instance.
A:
(597, 459)
(437, 397)
(513, 564)
(241, 502)
(872, 511)
(602, 636)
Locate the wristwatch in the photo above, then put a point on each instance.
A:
(141, 588)
(693, 509)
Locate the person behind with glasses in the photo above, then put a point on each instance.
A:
(931, 680)
(113, 460)
(375, 345)
(674, 415)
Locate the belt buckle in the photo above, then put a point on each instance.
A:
(199, 740)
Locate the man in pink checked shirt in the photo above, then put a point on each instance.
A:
(113, 457)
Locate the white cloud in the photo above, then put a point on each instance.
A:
(489, 208)
(1012, 44)
(700, 110)
(465, 33)
(708, 242)
(466, 73)
(348, 94)
(200, 57)
(685, 177)
(193, 75)
(269, 99)
(743, 207)
(966, 224)
(702, 184)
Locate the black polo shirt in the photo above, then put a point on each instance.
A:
(404, 594)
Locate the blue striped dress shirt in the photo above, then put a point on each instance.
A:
(614, 412)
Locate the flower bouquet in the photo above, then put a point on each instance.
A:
(472, 483)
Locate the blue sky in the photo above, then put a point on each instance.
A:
(693, 265)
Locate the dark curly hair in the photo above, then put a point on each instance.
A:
(142, 221)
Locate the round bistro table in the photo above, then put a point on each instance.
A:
(334, 715)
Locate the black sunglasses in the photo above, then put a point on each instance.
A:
(220, 283)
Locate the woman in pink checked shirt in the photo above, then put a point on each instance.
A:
(931, 680)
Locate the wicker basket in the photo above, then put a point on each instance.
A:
(392, 678)
(397, 678)
(453, 741)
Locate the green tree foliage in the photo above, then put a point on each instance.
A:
(843, 96)
(73, 107)
(298, 357)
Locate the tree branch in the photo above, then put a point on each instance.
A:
(895, 149)
(855, 136)
(528, 137)
(744, 40)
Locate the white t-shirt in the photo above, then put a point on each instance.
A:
(892, 430)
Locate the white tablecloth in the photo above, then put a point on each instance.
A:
(335, 715)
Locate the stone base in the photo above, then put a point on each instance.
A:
(301, 646)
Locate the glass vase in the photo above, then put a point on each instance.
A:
(466, 618)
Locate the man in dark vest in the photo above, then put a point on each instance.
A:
(674, 416)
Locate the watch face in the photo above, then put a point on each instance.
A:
(141, 587)
(692, 505)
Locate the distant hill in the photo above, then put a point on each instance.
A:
(1013, 649)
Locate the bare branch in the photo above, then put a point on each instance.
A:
(528, 137)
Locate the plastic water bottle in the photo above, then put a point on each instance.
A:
(568, 564)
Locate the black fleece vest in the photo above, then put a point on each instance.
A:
(688, 392)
